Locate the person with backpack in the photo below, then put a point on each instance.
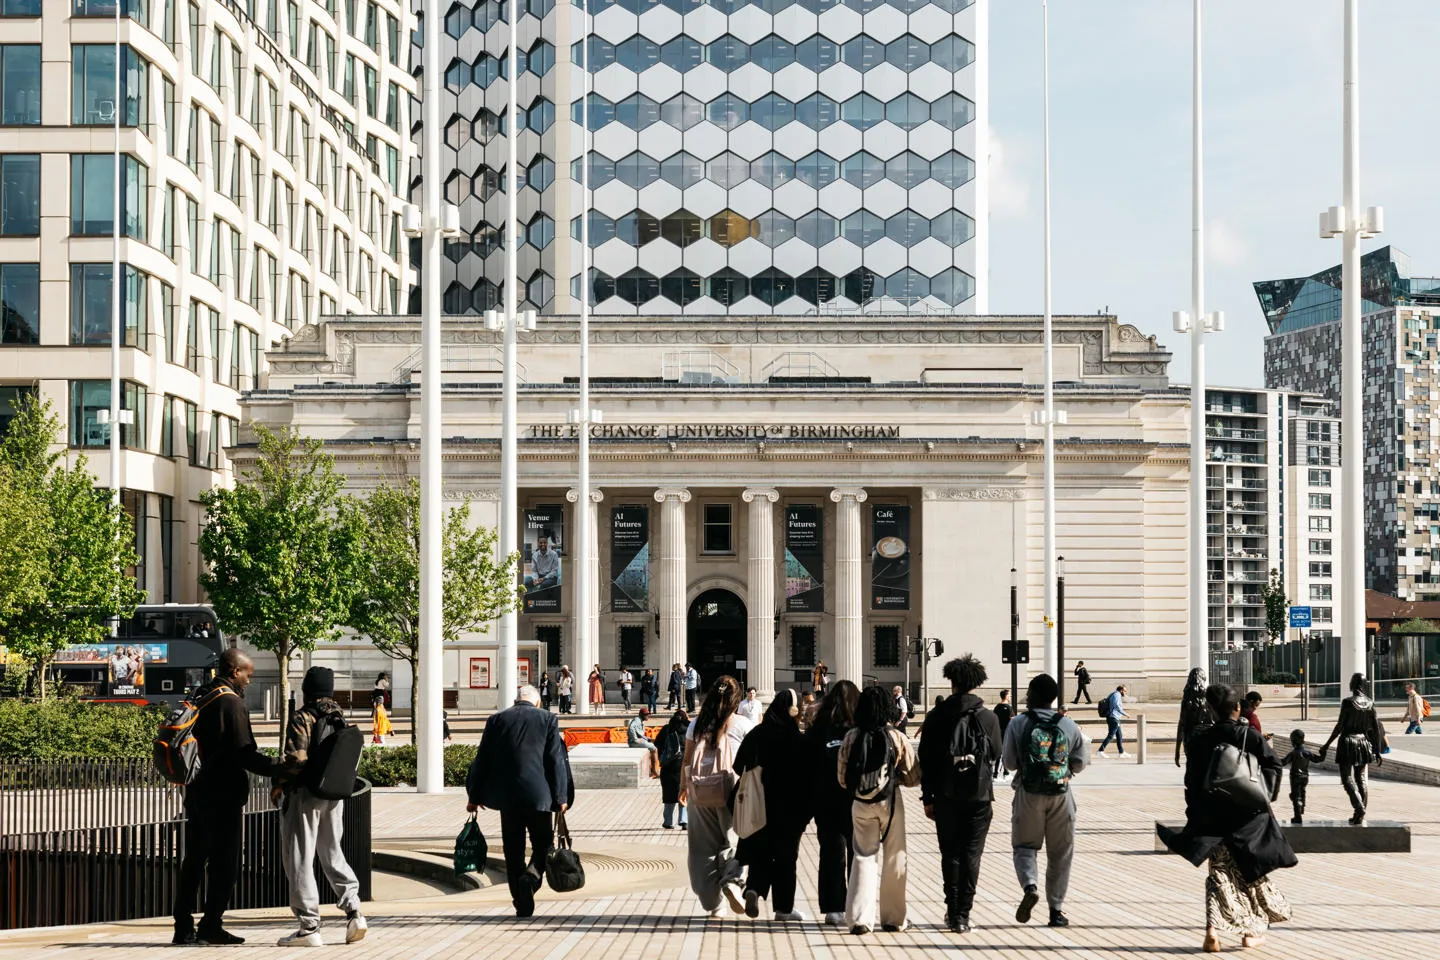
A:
(903, 707)
(1414, 710)
(1082, 682)
(875, 761)
(777, 749)
(522, 770)
(215, 797)
(1004, 712)
(1045, 749)
(670, 747)
(958, 747)
(834, 717)
(1112, 708)
(321, 753)
(707, 784)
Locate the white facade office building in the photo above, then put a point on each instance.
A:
(262, 147)
(775, 156)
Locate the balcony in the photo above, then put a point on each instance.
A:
(1245, 506)
(1215, 553)
(1248, 623)
(1245, 483)
(1233, 433)
(1247, 576)
(1247, 530)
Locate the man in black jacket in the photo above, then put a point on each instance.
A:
(523, 771)
(957, 789)
(215, 801)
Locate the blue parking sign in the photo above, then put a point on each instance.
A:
(1300, 618)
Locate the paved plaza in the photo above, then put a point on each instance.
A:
(1125, 901)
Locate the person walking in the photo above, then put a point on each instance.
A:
(820, 679)
(311, 826)
(692, 687)
(650, 691)
(597, 690)
(546, 686)
(379, 718)
(1242, 844)
(1113, 710)
(958, 747)
(875, 761)
(1082, 682)
(676, 688)
(1414, 710)
(1004, 712)
(1046, 749)
(750, 707)
(834, 825)
(903, 708)
(565, 689)
(635, 738)
(1250, 710)
(522, 770)
(670, 747)
(1194, 711)
(627, 686)
(382, 689)
(1362, 742)
(778, 749)
(711, 743)
(215, 802)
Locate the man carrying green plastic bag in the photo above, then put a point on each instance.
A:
(470, 849)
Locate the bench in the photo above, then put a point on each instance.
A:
(608, 766)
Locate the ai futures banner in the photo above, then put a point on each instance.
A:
(541, 566)
(804, 559)
(889, 557)
(629, 558)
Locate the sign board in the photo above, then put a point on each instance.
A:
(479, 673)
(1014, 651)
(1300, 618)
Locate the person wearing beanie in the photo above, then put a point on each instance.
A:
(635, 737)
(311, 826)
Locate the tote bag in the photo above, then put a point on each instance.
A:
(563, 870)
(1236, 776)
(750, 804)
(712, 772)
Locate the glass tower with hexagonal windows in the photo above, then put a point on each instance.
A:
(745, 156)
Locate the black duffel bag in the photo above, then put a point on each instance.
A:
(563, 870)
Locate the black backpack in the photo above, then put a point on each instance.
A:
(870, 771)
(176, 751)
(334, 758)
(969, 747)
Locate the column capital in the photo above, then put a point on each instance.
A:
(672, 493)
(751, 494)
(573, 495)
(841, 494)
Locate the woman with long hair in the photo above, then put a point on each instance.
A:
(1194, 712)
(834, 717)
(707, 782)
(1362, 741)
(565, 689)
(597, 690)
(1242, 844)
(670, 745)
(777, 748)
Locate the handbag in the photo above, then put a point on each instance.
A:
(750, 804)
(713, 789)
(1235, 775)
(563, 870)
(471, 850)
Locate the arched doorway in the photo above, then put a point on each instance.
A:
(716, 634)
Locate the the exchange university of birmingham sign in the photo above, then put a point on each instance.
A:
(720, 431)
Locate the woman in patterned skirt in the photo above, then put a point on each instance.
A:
(1241, 845)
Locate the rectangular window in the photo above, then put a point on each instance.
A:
(1321, 591)
(1315, 454)
(802, 646)
(215, 345)
(392, 39)
(195, 39)
(392, 108)
(1319, 501)
(192, 218)
(10, 398)
(19, 8)
(1319, 524)
(170, 113)
(548, 636)
(92, 186)
(1317, 432)
(167, 546)
(887, 645)
(167, 23)
(167, 426)
(89, 397)
(1322, 614)
(20, 195)
(92, 87)
(167, 223)
(717, 532)
(1319, 478)
(632, 646)
(1320, 568)
(292, 12)
(192, 337)
(20, 83)
(135, 503)
(192, 432)
(133, 9)
(170, 321)
(90, 304)
(350, 91)
(372, 90)
(371, 27)
(20, 294)
(1319, 548)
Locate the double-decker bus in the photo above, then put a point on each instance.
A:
(157, 656)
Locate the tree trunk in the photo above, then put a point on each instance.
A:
(414, 698)
(44, 668)
(282, 659)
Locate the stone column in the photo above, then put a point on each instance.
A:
(670, 568)
(849, 585)
(585, 618)
(760, 650)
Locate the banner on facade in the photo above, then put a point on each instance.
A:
(889, 557)
(540, 565)
(804, 559)
(629, 558)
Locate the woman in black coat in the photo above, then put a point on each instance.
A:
(1362, 741)
(1243, 846)
(835, 827)
(1194, 712)
(777, 747)
(670, 749)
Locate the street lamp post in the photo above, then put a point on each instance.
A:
(586, 643)
(1014, 639)
(1060, 626)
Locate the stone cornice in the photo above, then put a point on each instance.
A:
(973, 493)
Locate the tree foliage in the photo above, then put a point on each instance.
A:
(68, 545)
(281, 550)
(1416, 625)
(477, 588)
(1277, 606)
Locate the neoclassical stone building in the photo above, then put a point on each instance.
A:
(771, 491)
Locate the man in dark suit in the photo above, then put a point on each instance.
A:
(522, 770)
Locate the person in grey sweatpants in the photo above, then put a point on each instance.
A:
(311, 826)
(1043, 818)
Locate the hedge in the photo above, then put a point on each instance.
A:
(66, 728)
(393, 766)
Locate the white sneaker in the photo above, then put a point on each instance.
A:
(835, 919)
(302, 938)
(732, 892)
(794, 916)
(1124, 754)
(355, 930)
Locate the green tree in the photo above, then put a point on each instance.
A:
(1416, 625)
(1277, 606)
(477, 588)
(282, 552)
(71, 576)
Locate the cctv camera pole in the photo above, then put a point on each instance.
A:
(1047, 416)
(1060, 626)
(426, 700)
(1199, 539)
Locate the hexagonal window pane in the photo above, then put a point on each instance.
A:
(862, 169)
(953, 6)
(817, 53)
(637, 287)
(817, 228)
(457, 131)
(818, 169)
(728, 228)
(728, 286)
(775, 228)
(682, 112)
(602, 287)
(602, 53)
(602, 170)
(773, 7)
(816, 286)
(457, 186)
(682, 54)
(907, 169)
(601, 111)
(772, 286)
(727, 170)
(602, 228)
(487, 125)
(681, 287)
(952, 111)
(907, 228)
(485, 295)
(541, 173)
(817, 111)
(637, 228)
(638, 53)
(487, 183)
(819, 6)
(457, 75)
(683, 7)
(907, 52)
(727, 111)
(457, 298)
(953, 169)
(637, 111)
(907, 111)
(863, 228)
(486, 241)
(907, 286)
(540, 58)
(861, 286)
(772, 111)
(772, 169)
(953, 286)
(953, 53)
(682, 228)
(953, 228)
(637, 170)
(863, 53)
(540, 231)
(682, 170)
(457, 21)
(540, 116)
(862, 111)
(772, 53)
(539, 289)
(455, 250)
(728, 53)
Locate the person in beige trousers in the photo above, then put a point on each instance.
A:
(878, 870)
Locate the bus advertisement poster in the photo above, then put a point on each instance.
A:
(125, 662)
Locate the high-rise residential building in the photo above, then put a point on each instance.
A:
(1402, 392)
(774, 156)
(261, 148)
(1273, 484)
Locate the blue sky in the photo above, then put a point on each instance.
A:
(1120, 73)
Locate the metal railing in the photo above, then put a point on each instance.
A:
(94, 841)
